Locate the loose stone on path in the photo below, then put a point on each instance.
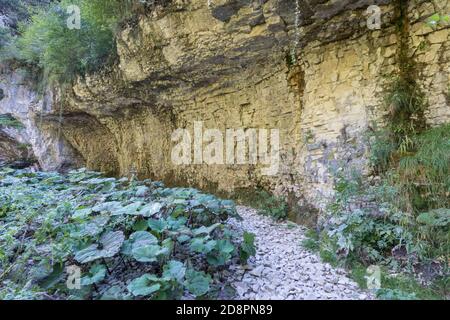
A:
(282, 269)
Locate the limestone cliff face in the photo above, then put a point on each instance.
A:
(244, 64)
(21, 102)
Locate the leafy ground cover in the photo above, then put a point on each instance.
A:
(399, 221)
(129, 239)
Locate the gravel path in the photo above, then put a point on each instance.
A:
(282, 269)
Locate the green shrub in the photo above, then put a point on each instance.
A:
(424, 174)
(395, 294)
(365, 225)
(382, 149)
(16, 10)
(311, 241)
(268, 204)
(60, 52)
(5, 37)
(406, 105)
(8, 51)
(421, 173)
(433, 228)
(362, 224)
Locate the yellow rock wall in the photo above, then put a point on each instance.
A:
(186, 65)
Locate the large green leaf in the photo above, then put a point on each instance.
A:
(109, 206)
(140, 225)
(197, 282)
(145, 285)
(143, 246)
(138, 239)
(97, 181)
(177, 224)
(147, 253)
(157, 225)
(131, 209)
(221, 254)
(53, 278)
(205, 230)
(96, 274)
(82, 213)
(435, 218)
(150, 209)
(142, 191)
(109, 246)
(174, 270)
(115, 293)
(91, 228)
(202, 245)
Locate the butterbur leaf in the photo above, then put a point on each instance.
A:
(42, 270)
(151, 209)
(197, 282)
(221, 253)
(144, 285)
(140, 225)
(157, 225)
(140, 238)
(115, 293)
(435, 218)
(147, 253)
(79, 294)
(183, 238)
(174, 270)
(142, 191)
(176, 224)
(205, 230)
(97, 273)
(108, 186)
(225, 246)
(109, 206)
(91, 228)
(229, 207)
(110, 244)
(81, 213)
(97, 181)
(53, 278)
(126, 248)
(197, 244)
(168, 244)
(178, 210)
(131, 209)
(394, 294)
(201, 245)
